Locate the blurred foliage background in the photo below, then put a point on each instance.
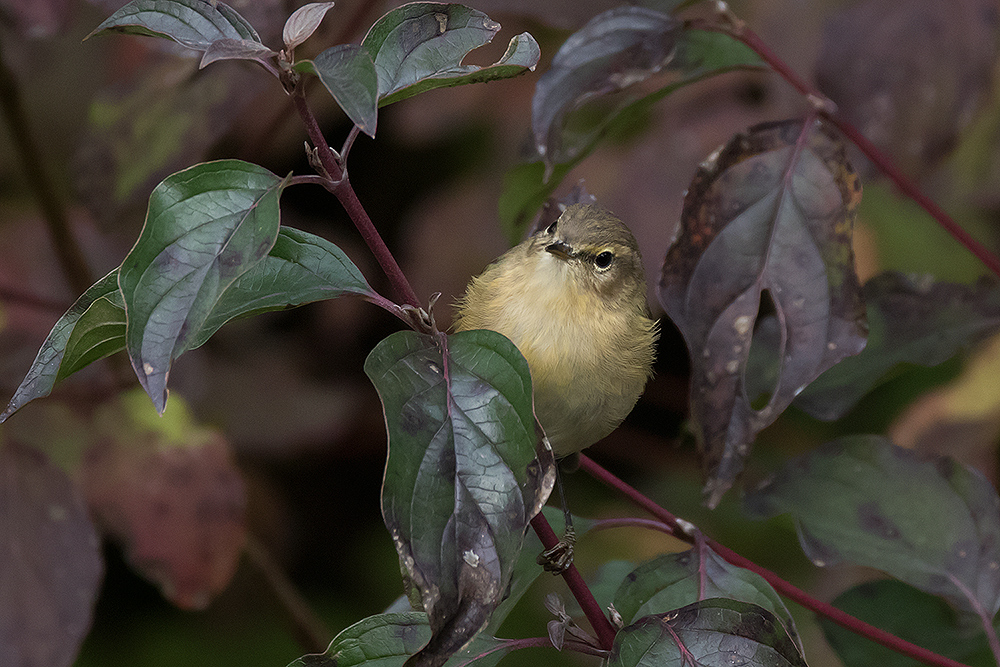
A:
(111, 117)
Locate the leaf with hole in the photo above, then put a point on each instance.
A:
(714, 632)
(674, 580)
(463, 479)
(205, 227)
(767, 222)
(853, 499)
(191, 23)
(420, 46)
(348, 74)
(52, 566)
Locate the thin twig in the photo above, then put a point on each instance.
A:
(790, 591)
(309, 631)
(70, 256)
(577, 586)
(341, 187)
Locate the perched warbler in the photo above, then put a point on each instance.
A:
(572, 298)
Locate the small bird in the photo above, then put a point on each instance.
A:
(572, 298)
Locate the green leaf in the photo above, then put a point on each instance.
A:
(910, 321)
(715, 633)
(767, 220)
(301, 268)
(385, 640)
(93, 328)
(934, 524)
(462, 480)
(348, 74)
(902, 610)
(698, 55)
(420, 46)
(674, 580)
(205, 227)
(191, 23)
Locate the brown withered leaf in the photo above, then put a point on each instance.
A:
(51, 561)
(910, 73)
(771, 213)
(169, 491)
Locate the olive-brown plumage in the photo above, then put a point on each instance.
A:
(572, 298)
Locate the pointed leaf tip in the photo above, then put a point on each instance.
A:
(767, 221)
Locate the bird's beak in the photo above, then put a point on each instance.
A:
(560, 249)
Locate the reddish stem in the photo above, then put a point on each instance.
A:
(880, 160)
(839, 617)
(340, 186)
(602, 626)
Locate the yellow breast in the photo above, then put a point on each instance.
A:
(589, 359)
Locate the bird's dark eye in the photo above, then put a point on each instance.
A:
(551, 229)
(604, 259)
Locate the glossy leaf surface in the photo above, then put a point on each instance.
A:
(348, 74)
(917, 617)
(616, 49)
(300, 268)
(95, 325)
(191, 23)
(420, 46)
(52, 566)
(714, 633)
(386, 640)
(462, 479)
(236, 49)
(769, 219)
(910, 321)
(934, 524)
(205, 227)
(675, 580)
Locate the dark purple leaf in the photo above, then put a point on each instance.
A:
(912, 102)
(614, 50)
(52, 565)
(768, 219)
(934, 523)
